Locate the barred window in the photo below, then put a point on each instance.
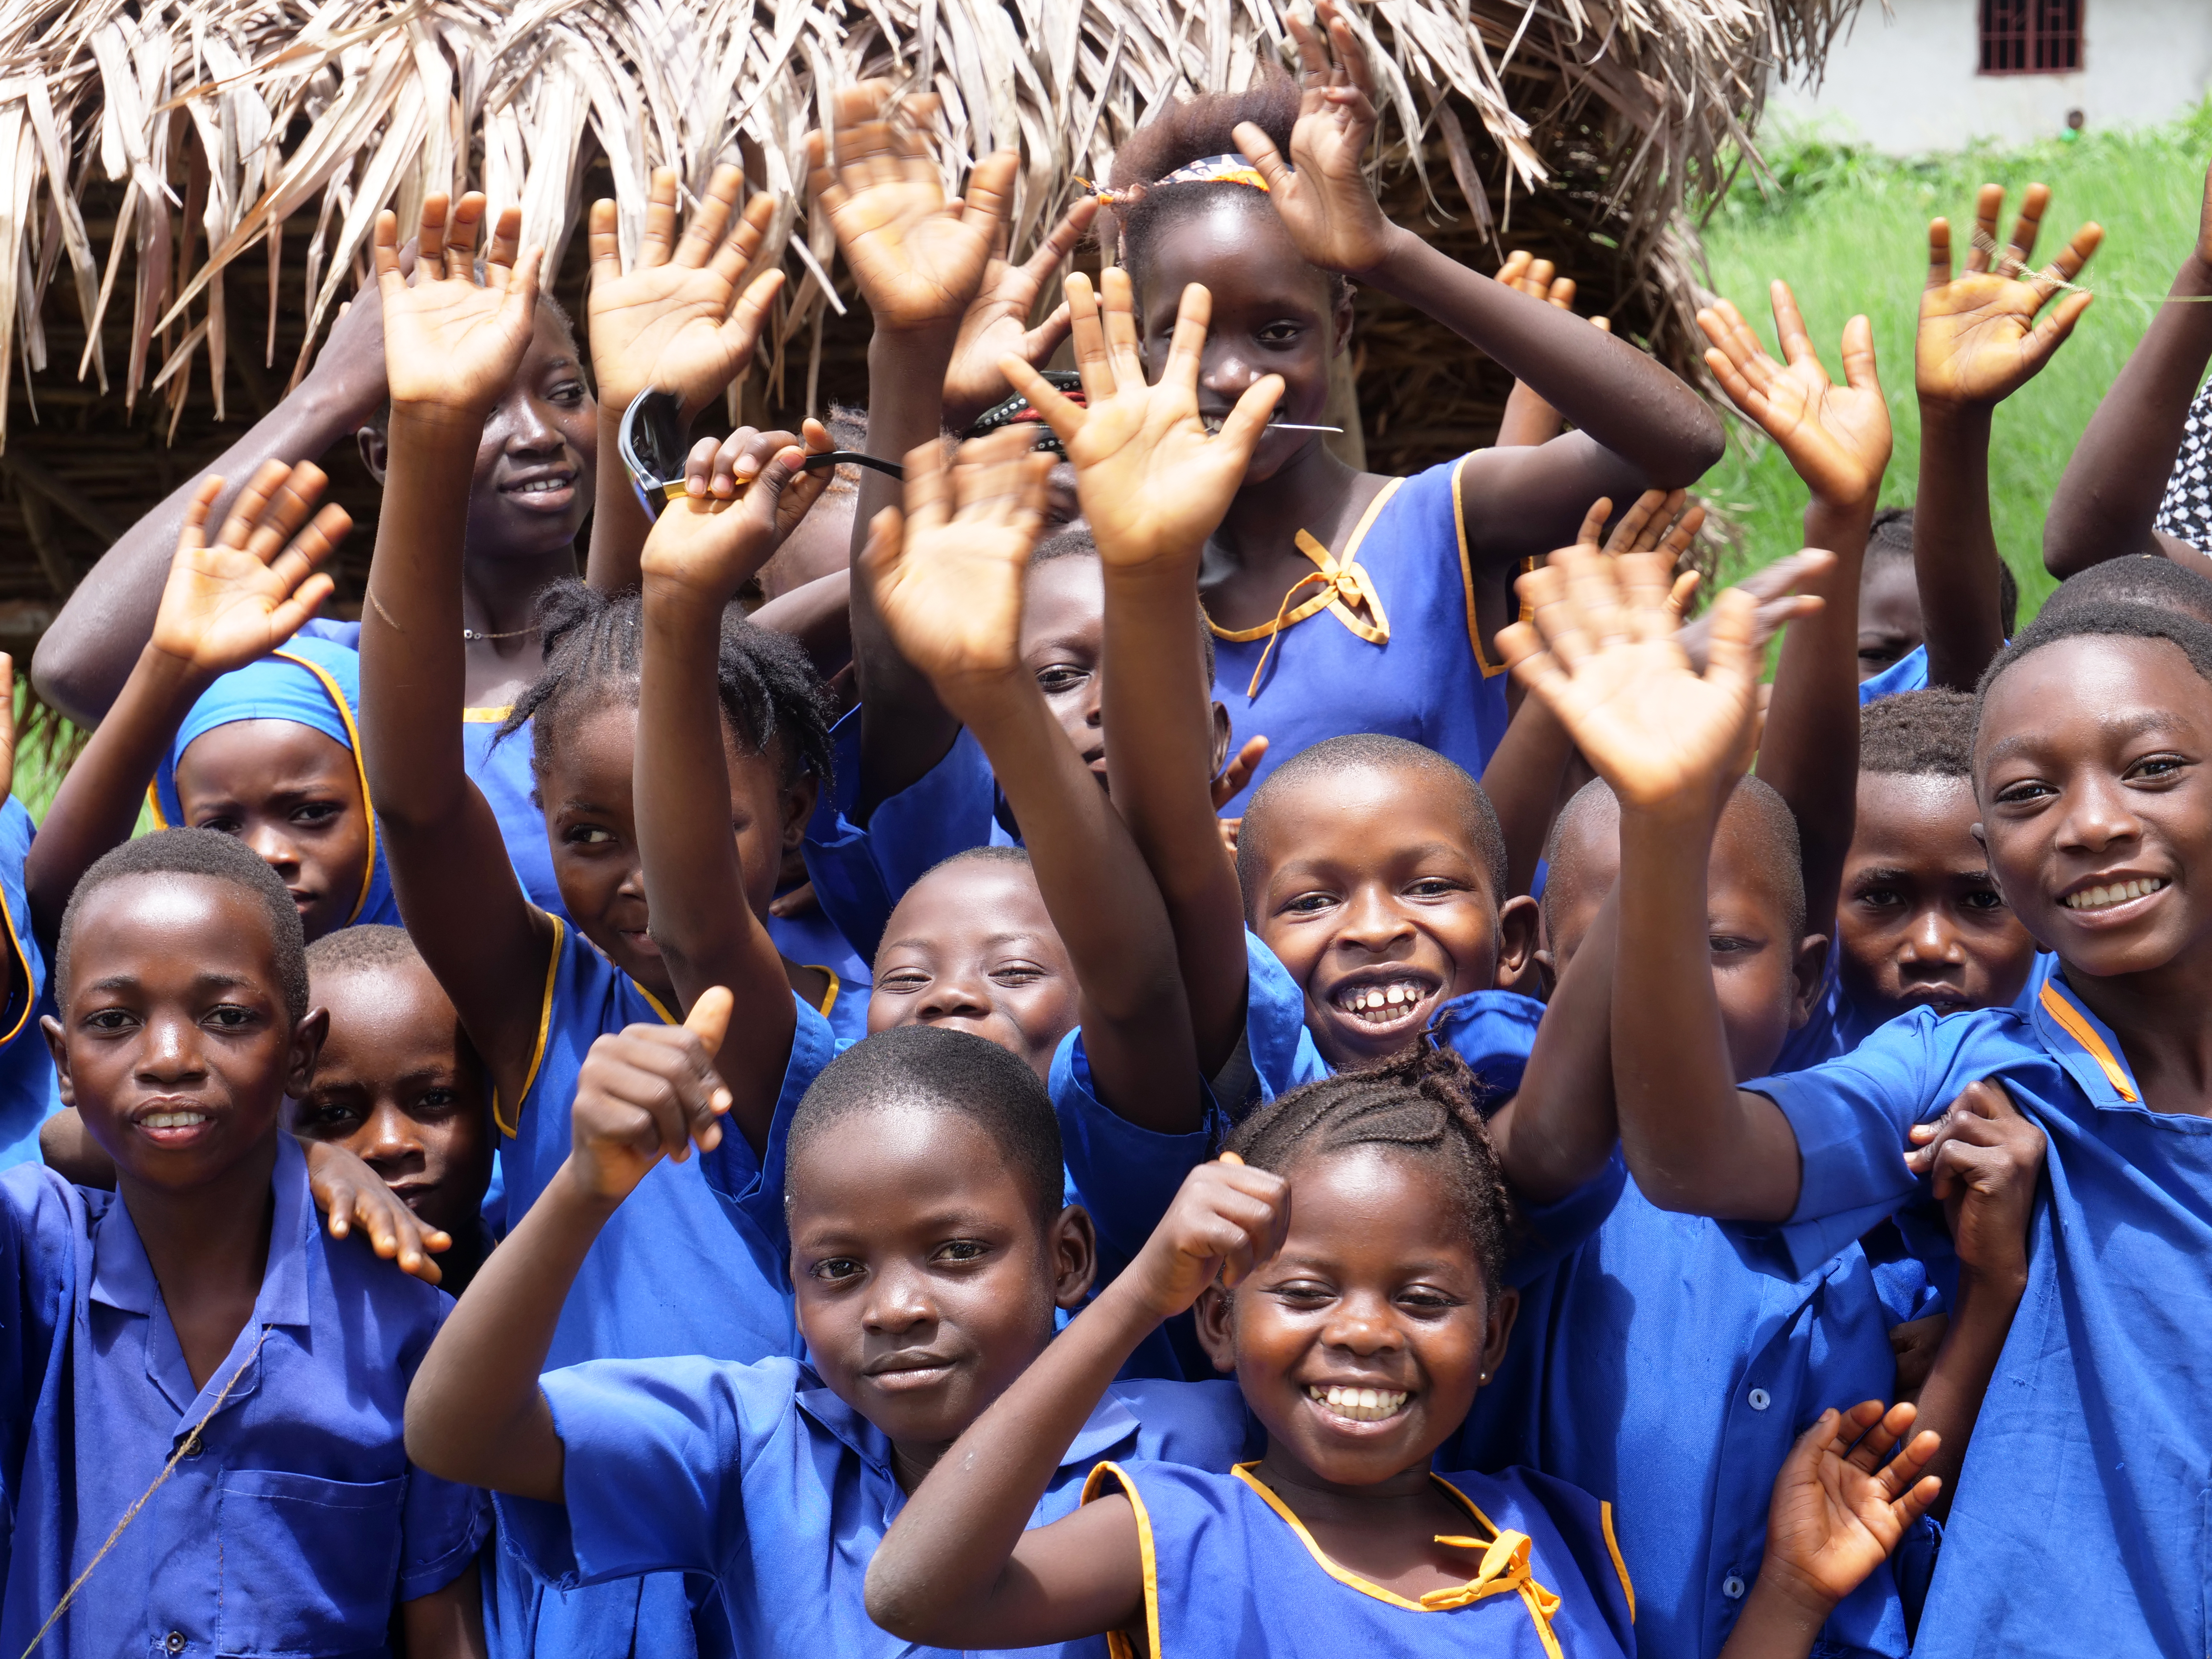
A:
(2031, 37)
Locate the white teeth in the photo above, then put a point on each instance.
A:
(172, 1119)
(1389, 1001)
(2098, 897)
(538, 486)
(1358, 1405)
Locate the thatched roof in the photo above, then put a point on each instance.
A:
(193, 182)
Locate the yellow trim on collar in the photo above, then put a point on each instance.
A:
(1118, 1645)
(485, 716)
(1613, 1549)
(837, 985)
(2085, 1033)
(360, 767)
(545, 1025)
(1343, 586)
(30, 990)
(1490, 670)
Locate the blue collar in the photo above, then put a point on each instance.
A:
(1111, 1424)
(123, 1278)
(2079, 1041)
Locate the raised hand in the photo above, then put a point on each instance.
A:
(233, 600)
(1979, 341)
(745, 496)
(1153, 482)
(678, 320)
(997, 324)
(1225, 1221)
(1837, 437)
(352, 1195)
(648, 1092)
(1322, 193)
(1985, 1158)
(918, 255)
(1842, 1503)
(451, 340)
(947, 577)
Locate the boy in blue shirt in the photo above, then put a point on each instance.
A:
(2088, 770)
(193, 1343)
(930, 1272)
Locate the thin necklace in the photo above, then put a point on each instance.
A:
(470, 636)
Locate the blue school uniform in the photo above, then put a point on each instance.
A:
(1382, 638)
(1908, 673)
(293, 1522)
(694, 1262)
(812, 940)
(760, 1476)
(1232, 1573)
(28, 1090)
(309, 682)
(2081, 1522)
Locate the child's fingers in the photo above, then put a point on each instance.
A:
(1351, 57)
(1041, 342)
(988, 200)
(1939, 253)
(306, 552)
(658, 239)
(461, 236)
(1902, 1474)
(886, 544)
(1088, 330)
(2051, 333)
(384, 250)
(1060, 241)
(742, 328)
(928, 486)
(2026, 227)
(2068, 265)
(1730, 654)
(1988, 203)
(430, 237)
(1515, 267)
(710, 1018)
(1061, 413)
(1652, 505)
(1255, 144)
(1246, 423)
(1119, 313)
(1683, 532)
(273, 496)
(739, 247)
(1858, 354)
(1879, 1438)
(1683, 589)
(1790, 326)
(1739, 390)
(1186, 347)
(1238, 773)
(1593, 524)
(1561, 293)
(710, 218)
(602, 236)
(518, 309)
(502, 268)
(287, 616)
(196, 511)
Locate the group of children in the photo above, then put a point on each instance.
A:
(1051, 1053)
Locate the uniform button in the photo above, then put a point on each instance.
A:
(1731, 1586)
(176, 1641)
(1760, 1400)
(193, 1446)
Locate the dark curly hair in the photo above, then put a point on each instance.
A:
(1919, 734)
(1424, 1102)
(595, 645)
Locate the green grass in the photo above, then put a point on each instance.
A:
(1847, 230)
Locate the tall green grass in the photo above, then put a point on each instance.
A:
(1847, 230)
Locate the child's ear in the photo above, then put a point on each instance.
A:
(1809, 970)
(1504, 1307)
(1340, 323)
(1517, 938)
(375, 451)
(1547, 973)
(1221, 737)
(798, 804)
(307, 1038)
(1215, 1318)
(1074, 1244)
(51, 1029)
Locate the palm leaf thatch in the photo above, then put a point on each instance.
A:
(207, 142)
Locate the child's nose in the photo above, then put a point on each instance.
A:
(273, 847)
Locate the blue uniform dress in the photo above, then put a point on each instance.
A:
(27, 1097)
(694, 1262)
(1908, 673)
(1381, 639)
(761, 1477)
(293, 1522)
(812, 941)
(1232, 1573)
(2081, 1522)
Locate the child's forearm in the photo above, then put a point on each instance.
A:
(1692, 1140)
(2116, 478)
(98, 802)
(1522, 782)
(1950, 1399)
(1104, 902)
(448, 1623)
(941, 1575)
(1775, 1624)
(1559, 1129)
(694, 885)
(475, 1413)
(1955, 548)
(1156, 700)
(619, 524)
(1604, 386)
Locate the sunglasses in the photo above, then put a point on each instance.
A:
(655, 440)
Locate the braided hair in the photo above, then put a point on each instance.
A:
(1424, 1104)
(771, 696)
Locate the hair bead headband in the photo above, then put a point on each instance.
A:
(1207, 170)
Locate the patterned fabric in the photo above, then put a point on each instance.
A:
(2186, 511)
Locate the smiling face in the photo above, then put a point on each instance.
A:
(1889, 614)
(1272, 314)
(532, 488)
(1921, 923)
(971, 947)
(399, 1086)
(2090, 766)
(174, 1042)
(1376, 899)
(926, 1275)
(293, 796)
(1361, 1343)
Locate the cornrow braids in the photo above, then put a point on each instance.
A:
(595, 646)
(1424, 1102)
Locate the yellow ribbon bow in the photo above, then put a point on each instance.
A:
(1344, 589)
(1505, 1571)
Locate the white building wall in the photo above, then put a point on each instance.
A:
(1904, 81)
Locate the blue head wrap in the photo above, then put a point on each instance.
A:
(310, 682)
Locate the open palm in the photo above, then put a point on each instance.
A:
(676, 319)
(451, 338)
(997, 324)
(1978, 340)
(918, 255)
(1323, 192)
(1837, 437)
(1153, 482)
(1842, 1503)
(232, 601)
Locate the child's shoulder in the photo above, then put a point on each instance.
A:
(1201, 1425)
(43, 1213)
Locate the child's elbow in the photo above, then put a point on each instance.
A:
(894, 1601)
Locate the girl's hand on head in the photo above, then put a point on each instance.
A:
(682, 317)
(1842, 1503)
(1153, 482)
(233, 600)
(947, 576)
(451, 341)
(743, 496)
(1986, 1159)
(648, 1092)
(997, 324)
(1978, 340)
(1226, 1220)
(918, 256)
(1327, 203)
(1837, 437)
(352, 1195)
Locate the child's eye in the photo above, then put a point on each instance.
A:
(907, 980)
(590, 835)
(222, 825)
(1309, 904)
(1432, 887)
(570, 393)
(1279, 334)
(1016, 973)
(1727, 944)
(328, 1119)
(1304, 1292)
(2025, 794)
(229, 1017)
(1882, 898)
(1426, 1301)
(964, 1249)
(1982, 898)
(2158, 766)
(837, 1270)
(1056, 680)
(317, 812)
(111, 1019)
